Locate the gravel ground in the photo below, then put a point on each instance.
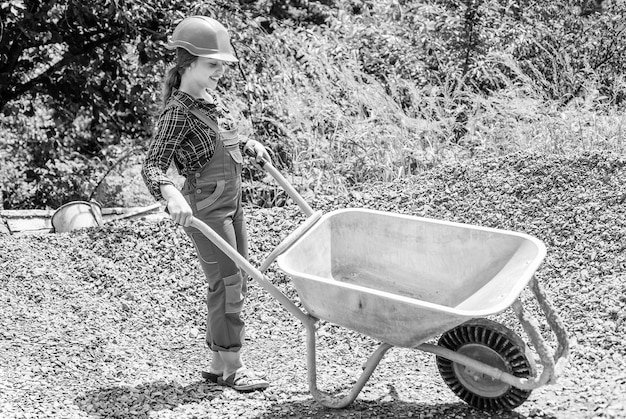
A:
(109, 322)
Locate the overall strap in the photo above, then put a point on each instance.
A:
(199, 114)
(205, 118)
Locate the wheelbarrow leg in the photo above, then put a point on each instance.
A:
(307, 320)
(327, 399)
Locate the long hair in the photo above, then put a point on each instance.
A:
(173, 76)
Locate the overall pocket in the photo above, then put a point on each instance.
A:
(230, 138)
(207, 193)
(234, 293)
(235, 153)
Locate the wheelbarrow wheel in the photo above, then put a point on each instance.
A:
(494, 345)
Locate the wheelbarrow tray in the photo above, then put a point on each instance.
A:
(404, 279)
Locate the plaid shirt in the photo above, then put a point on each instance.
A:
(183, 138)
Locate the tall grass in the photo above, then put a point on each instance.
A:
(552, 116)
(346, 127)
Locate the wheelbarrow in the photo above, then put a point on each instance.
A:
(404, 280)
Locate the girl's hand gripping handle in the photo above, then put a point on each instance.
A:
(257, 151)
(266, 164)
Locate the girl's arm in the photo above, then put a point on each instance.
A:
(178, 208)
(171, 129)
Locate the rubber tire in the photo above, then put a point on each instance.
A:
(495, 338)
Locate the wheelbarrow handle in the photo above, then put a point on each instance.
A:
(247, 267)
(284, 183)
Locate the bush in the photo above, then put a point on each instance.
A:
(342, 91)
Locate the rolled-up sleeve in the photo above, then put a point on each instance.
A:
(171, 129)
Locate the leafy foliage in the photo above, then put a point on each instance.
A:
(341, 90)
(84, 72)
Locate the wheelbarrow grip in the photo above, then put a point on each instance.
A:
(284, 183)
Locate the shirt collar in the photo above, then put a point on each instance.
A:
(186, 99)
(189, 101)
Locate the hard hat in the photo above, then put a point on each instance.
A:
(204, 37)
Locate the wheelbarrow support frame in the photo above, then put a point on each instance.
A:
(552, 363)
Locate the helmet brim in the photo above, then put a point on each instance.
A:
(222, 56)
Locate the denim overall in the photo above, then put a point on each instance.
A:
(214, 194)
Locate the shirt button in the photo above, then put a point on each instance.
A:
(197, 174)
(198, 190)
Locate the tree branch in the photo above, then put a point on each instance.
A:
(67, 59)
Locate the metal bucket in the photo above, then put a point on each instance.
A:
(77, 214)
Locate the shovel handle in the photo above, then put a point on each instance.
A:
(284, 183)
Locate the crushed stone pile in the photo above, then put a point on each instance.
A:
(109, 322)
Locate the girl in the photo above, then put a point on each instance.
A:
(198, 135)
